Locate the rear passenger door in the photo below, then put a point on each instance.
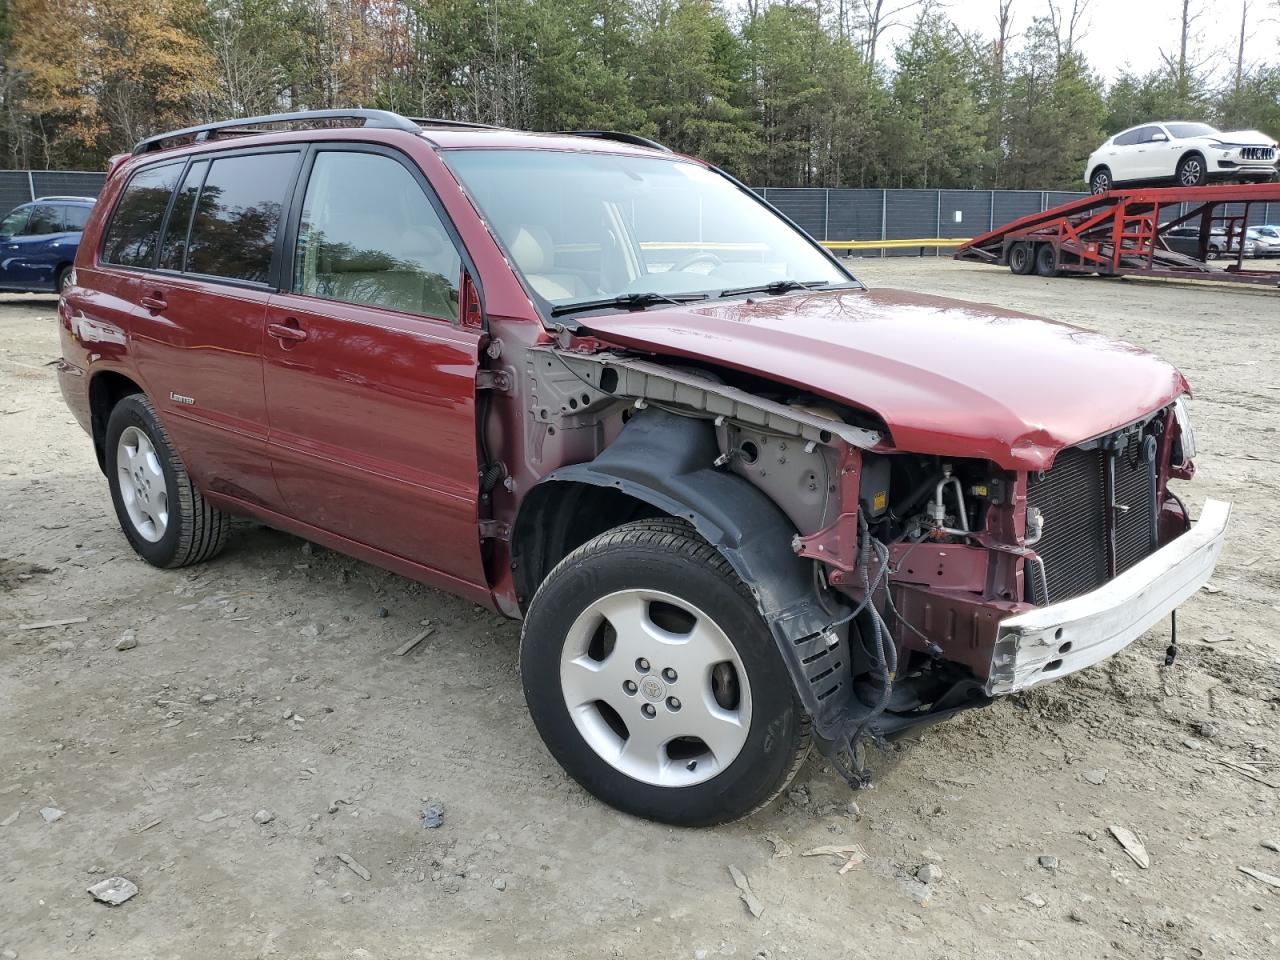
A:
(370, 376)
(200, 311)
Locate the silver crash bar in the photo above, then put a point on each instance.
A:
(1061, 638)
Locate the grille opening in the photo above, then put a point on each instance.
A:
(1052, 665)
(1065, 648)
(1078, 521)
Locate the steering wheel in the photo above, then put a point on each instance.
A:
(702, 256)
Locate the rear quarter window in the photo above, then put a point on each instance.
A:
(134, 231)
(74, 218)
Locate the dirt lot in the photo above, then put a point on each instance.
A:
(265, 681)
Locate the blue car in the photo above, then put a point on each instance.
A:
(38, 242)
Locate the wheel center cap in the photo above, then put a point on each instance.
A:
(653, 689)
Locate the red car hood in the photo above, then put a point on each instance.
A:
(947, 377)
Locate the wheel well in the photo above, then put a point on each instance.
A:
(1094, 172)
(1192, 153)
(557, 518)
(106, 389)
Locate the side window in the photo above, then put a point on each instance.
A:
(135, 226)
(44, 219)
(1128, 139)
(173, 247)
(369, 235)
(74, 218)
(1150, 133)
(237, 214)
(15, 222)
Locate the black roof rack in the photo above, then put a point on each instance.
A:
(630, 138)
(441, 122)
(380, 119)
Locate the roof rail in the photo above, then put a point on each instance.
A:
(381, 119)
(630, 138)
(442, 122)
(42, 199)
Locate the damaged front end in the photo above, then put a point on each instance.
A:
(900, 587)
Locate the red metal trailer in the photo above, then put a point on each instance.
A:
(1121, 232)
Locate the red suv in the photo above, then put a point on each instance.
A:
(740, 501)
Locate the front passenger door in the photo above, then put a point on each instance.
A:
(370, 376)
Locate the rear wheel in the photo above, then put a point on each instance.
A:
(1047, 260)
(1100, 182)
(163, 516)
(655, 683)
(1191, 171)
(1021, 258)
(63, 280)
(1212, 253)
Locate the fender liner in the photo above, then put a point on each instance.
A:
(667, 460)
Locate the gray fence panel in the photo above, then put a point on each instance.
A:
(14, 189)
(965, 213)
(1055, 197)
(68, 183)
(855, 214)
(807, 206)
(23, 186)
(1012, 204)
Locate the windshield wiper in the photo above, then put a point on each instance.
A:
(629, 301)
(776, 287)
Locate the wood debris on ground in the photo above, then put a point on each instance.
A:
(45, 624)
(412, 642)
(1132, 845)
(744, 891)
(355, 866)
(1266, 878)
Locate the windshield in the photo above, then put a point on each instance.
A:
(12, 225)
(583, 227)
(1182, 131)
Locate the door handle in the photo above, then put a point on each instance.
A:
(155, 302)
(287, 332)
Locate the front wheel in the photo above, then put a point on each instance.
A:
(655, 683)
(164, 517)
(1101, 181)
(1191, 171)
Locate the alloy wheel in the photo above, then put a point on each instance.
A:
(142, 484)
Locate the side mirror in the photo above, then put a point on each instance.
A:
(1159, 138)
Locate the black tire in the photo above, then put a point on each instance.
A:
(666, 556)
(1192, 171)
(195, 531)
(1021, 258)
(1100, 181)
(1212, 253)
(60, 282)
(1047, 260)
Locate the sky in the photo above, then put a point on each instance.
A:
(1120, 33)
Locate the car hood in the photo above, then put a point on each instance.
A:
(1247, 137)
(946, 377)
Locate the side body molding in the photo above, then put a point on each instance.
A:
(666, 460)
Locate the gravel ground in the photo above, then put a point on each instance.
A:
(265, 681)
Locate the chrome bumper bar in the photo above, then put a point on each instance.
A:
(1061, 638)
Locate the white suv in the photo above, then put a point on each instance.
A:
(1180, 154)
